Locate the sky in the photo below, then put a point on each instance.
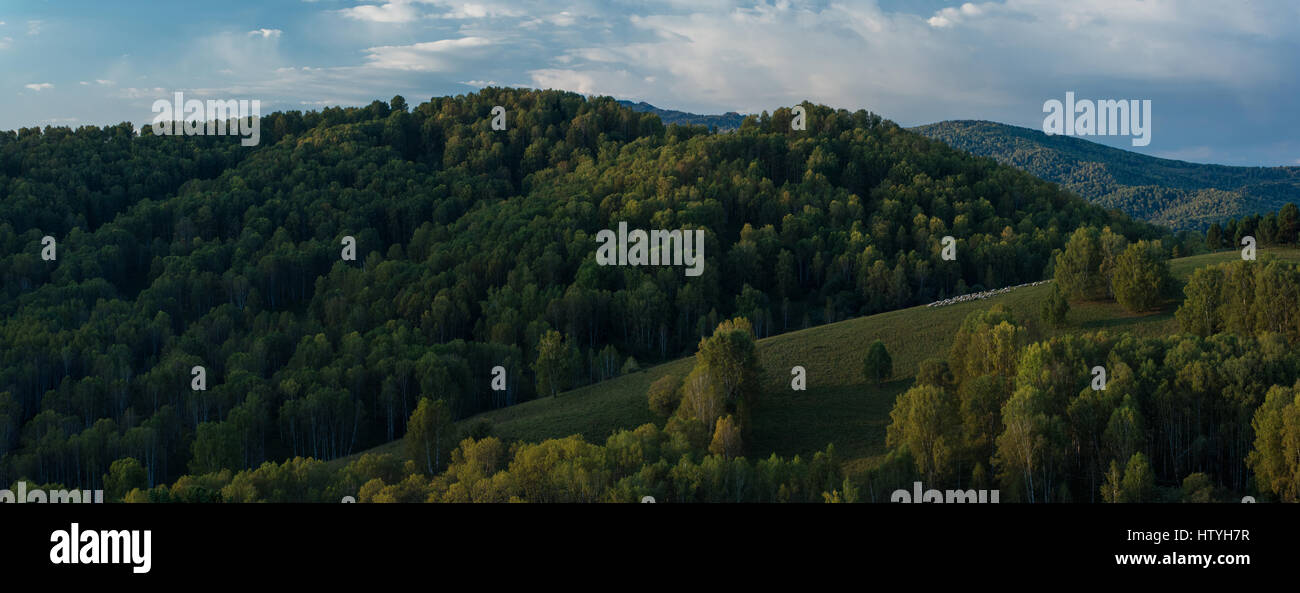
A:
(1222, 77)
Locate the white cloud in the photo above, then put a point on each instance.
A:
(6, 42)
(34, 27)
(431, 56)
(475, 10)
(39, 86)
(406, 11)
(266, 33)
(144, 93)
(950, 16)
(103, 82)
(399, 11)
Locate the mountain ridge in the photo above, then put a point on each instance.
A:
(1179, 194)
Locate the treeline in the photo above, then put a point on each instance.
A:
(1174, 418)
(698, 457)
(629, 466)
(1281, 227)
(472, 245)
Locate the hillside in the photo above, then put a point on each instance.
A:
(838, 407)
(1177, 194)
(197, 305)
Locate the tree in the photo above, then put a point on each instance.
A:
(1141, 276)
(924, 420)
(216, 447)
(664, 395)
(430, 435)
(877, 366)
(1288, 223)
(124, 475)
(1077, 269)
(1112, 488)
(1139, 481)
(1055, 307)
(726, 439)
(1199, 314)
(730, 356)
(1198, 487)
(934, 371)
(702, 398)
(1276, 456)
(1214, 237)
(552, 366)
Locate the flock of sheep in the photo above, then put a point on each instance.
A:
(975, 296)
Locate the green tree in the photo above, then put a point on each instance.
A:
(552, 365)
(1214, 237)
(1055, 307)
(1200, 312)
(1198, 487)
(730, 356)
(726, 441)
(1141, 276)
(1139, 481)
(430, 435)
(877, 366)
(1112, 488)
(216, 447)
(924, 421)
(1077, 269)
(1275, 458)
(665, 394)
(124, 475)
(934, 371)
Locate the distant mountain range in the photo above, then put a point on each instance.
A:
(1177, 194)
(727, 121)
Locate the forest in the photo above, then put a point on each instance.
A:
(476, 250)
(1177, 194)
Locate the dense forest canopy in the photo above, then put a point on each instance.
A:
(475, 250)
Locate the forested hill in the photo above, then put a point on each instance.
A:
(475, 249)
(1178, 194)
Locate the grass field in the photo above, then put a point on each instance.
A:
(838, 407)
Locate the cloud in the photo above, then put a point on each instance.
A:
(39, 86)
(430, 56)
(406, 11)
(34, 27)
(266, 33)
(399, 11)
(948, 17)
(143, 93)
(6, 42)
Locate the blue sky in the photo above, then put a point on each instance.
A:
(1222, 77)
